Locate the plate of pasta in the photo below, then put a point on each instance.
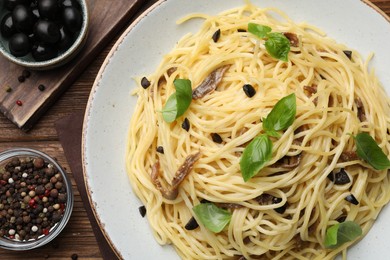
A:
(243, 130)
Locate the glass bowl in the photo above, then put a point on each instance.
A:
(36, 199)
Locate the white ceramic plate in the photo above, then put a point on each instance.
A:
(140, 50)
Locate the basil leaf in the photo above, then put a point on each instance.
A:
(341, 233)
(281, 116)
(278, 46)
(368, 150)
(255, 156)
(260, 31)
(178, 103)
(213, 218)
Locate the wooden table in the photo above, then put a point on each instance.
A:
(78, 237)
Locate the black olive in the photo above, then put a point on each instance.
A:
(352, 199)
(281, 209)
(66, 39)
(216, 138)
(48, 8)
(42, 52)
(160, 149)
(216, 35)
(23, 18)
(142, 211)
(191, 224)
(186, 124)
(7, 26)
(339, 178)
(47, 31)
(11, 4)
(19, 45)
(145, 83)
(72, 19)
(348, 54)
(249, 90)
(69, 3)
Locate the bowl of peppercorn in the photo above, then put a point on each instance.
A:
(42, 34)
(36, 199)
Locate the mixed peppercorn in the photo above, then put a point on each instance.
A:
(33, 198)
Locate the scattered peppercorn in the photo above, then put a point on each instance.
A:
(186, 124)
(241, 30)
(142, 211)
(216, 35)
(145, 83)
(19, 102)
(41, 87)
(160, 149)
(74, 256)
(249, 90)
(216, 138)
(8, 90)
(21, 78)
(29, 209)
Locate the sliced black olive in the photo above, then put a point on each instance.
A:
(19, 44)
(281, 209)
(145, 83)
(47, 31)
(72, 19)
(216, 35)
(7, 26)
(23, 18)
(42, 52)
(216, 138)
(352, 199)
(348, 54)
(191, 224)
(339, 178)
(249, 90)
(66, 39)
(160, 149)
(142, 211)
(48, 9)
(341, 218)
(11, 4)
(186, 124)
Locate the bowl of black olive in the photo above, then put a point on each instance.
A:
(42, 34)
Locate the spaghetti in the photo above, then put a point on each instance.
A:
(314, 177)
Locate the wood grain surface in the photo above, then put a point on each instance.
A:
(78, 237)
(104, 22)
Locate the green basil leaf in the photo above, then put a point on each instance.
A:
(341, 233)
(213, 218)
(170, 109)
(260, 31)
(281, 116)
(278, 46)
(255, 156)
(178, 103)
(368, 150)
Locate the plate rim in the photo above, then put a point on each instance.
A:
(95, 87)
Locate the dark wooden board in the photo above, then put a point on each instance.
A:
(105, 20)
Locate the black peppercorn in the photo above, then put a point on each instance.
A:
(216, 35)
(145, 83)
